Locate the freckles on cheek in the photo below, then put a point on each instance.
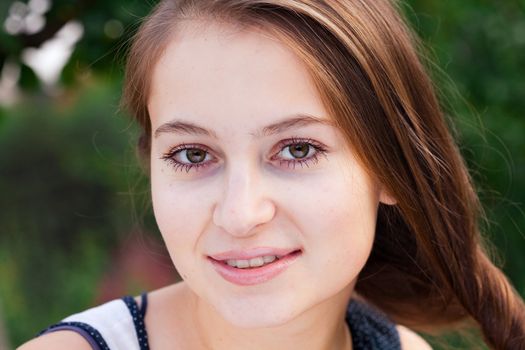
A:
(344, 209)
(174, 211)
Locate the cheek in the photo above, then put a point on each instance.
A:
(328, 207)
(181, 211)
(181, 218)
(338, 222)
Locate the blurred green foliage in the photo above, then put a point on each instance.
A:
(67, 173)
(479, 47)
(67, 166)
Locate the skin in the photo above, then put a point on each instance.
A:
(234, 83)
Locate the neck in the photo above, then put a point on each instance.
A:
(326, 320)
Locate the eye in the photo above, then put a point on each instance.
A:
(195, 155)
(292, 152)
(186, 157)
(297, 151)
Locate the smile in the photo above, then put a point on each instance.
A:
(255, 262)
(255, 270)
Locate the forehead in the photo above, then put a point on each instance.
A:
(219, 72)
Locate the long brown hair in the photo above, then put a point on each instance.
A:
(428, 268)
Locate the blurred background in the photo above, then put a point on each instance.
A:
(76, 227)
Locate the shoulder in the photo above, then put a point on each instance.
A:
(109, 324)
(57, 341)
(410, 340)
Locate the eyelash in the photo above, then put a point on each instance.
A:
(319, 150)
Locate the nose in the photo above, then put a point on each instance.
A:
(244, 203)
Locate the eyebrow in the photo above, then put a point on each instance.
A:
(188, 128)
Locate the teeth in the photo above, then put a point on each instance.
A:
(269, 258)
(242, 264)
(255, 262)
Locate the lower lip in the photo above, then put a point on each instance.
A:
(254, 275)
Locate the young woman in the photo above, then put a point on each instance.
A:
(306, 186)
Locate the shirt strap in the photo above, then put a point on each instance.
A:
(90, 334)
(371, 329)
(138, 314)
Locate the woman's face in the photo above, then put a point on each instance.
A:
(245, 164)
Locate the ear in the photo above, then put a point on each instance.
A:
(386, 198)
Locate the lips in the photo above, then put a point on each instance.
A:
(253, 266)
(252, 253)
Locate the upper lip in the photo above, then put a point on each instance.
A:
(246, 254)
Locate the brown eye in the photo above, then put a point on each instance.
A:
(299, 150)
(187, 157)
(303, 152)
(195, 155)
